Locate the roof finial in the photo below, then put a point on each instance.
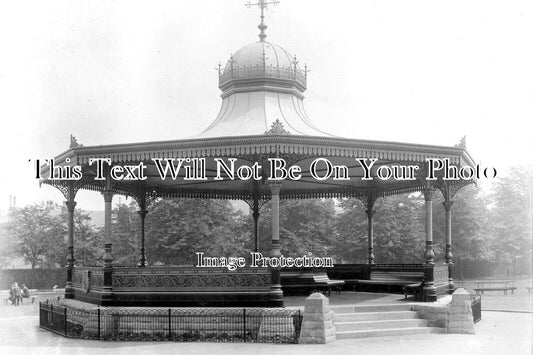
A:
(462, 143)
(262, 5)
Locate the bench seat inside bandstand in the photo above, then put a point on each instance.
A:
(409, 279)
(307, 280)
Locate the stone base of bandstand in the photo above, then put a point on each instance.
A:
(461, 320)
(317, 326)
(453, 312)
(261, 323)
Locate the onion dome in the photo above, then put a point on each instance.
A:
(262, 64)
(262, 91)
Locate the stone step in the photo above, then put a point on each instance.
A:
(382, 324)
(375, 316)
(371, 308)
(387, 332)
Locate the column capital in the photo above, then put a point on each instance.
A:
(108, 195)
(275, 187)
(255, 214)
(428, 194)
(447, 205)
(142, 213)
(71, 205)
(370, 212)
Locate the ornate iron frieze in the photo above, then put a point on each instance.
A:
(441, 274)
(208, 280)
(87, 279)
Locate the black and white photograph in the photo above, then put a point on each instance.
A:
(266, 176)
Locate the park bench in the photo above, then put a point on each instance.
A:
(407, 281)
(308, 281)
(5, 296)
(493, 285)
(349, 273)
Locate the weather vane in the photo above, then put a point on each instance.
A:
(262, 5)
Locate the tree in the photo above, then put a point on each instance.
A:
(88, 241)
(7, 251)
(176, 229)
(306, 226)
(511, 216)
(398, 230)
(39, 234)
(469, 221)
(125, 232)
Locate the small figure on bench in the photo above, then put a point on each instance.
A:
(25, 292)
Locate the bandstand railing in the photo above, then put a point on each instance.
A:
(173, 324)
(262, 71)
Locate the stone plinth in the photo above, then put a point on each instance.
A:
(460, 319)
(317, 326)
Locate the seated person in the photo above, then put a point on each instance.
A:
(25, 292)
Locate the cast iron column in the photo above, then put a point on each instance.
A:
(255, 215)
(142, 214)
(430, 254)
(69, 291)
(448, 254)
(107, 295)
(276, 293)
(370, 213)
(430, 292)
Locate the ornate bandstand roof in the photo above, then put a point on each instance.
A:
(261, 83)
(262, 116)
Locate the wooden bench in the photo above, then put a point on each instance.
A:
(407, 281)
(492, 285)
(349, 273)
(309, 281)
(504, 289)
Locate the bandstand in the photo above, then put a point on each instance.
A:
(262, 117)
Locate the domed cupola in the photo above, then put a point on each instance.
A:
(262, 66)
(261, 84)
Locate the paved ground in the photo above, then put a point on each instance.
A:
(497, 333)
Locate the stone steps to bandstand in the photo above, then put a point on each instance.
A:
(365, 321)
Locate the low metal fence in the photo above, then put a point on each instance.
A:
(53, 317)
(476, 308)
(174, 324)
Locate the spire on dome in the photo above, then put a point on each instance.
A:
(262, 5)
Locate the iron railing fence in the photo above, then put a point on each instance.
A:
(53, 317)
(476, 308)
(174, 324)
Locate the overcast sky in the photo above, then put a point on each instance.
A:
(129, 71)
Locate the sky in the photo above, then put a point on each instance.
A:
(124, 71)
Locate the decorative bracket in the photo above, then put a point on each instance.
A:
(277, 129)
